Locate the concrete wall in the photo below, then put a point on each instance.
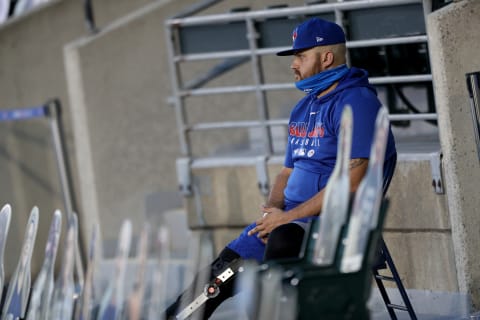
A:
(456, 46)
(417, 230)
(32, 71)
(132, 82)
(225, 195)
(125, 134)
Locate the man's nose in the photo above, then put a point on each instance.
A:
(294, 65)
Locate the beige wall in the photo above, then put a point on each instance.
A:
(124, 131)
(31, 72)
(123, 70)
(417, 230)
(456, 52)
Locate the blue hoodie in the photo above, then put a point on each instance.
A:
(313, 130)
(312, 146)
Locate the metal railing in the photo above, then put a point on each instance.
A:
(258, 86)
(51, 111)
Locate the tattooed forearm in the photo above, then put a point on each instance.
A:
(357, 162)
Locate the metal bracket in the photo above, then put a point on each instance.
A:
(473, 85)
(184, 176)
(262, 175)
(436, 167)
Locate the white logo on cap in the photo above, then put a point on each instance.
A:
(319, 39)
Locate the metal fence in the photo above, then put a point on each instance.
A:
(185, 44)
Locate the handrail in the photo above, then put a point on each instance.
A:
(284, 122)
(269, 51)
(283, 12)
(51, 110)
(283, 86)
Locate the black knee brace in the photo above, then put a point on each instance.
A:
(284, 241)
(226, 291)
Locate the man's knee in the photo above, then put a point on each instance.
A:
(223, 260)
(284, 241)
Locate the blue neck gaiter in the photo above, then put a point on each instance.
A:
(321, 81)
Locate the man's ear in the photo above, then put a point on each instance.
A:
(327, 59)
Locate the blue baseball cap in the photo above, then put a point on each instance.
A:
(313, 33)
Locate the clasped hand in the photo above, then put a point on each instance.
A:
(271, 218)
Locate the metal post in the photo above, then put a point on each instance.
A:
(89, 17)
(427, 8)
(53, 111)
(177, 100)
(473, 85)
(258, 81)
(339, 21)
